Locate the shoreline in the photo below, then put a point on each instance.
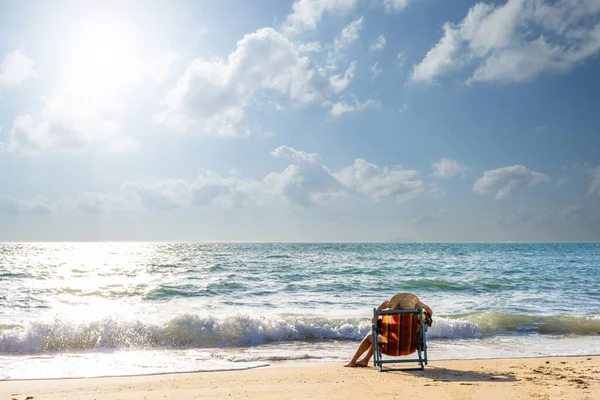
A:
(571, 377)
(285, 364)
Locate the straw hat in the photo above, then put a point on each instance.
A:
(404, 301)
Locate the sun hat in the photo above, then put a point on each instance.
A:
(404, 301)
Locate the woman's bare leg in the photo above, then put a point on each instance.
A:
(365, 360)
(365, 345)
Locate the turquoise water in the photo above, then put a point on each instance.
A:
(89, 309)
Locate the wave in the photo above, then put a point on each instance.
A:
(415, 284)
(6, 275)
(241, 330)
(491, 322)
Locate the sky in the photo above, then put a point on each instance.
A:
(304, 120)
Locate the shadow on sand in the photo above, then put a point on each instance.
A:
(451, 375)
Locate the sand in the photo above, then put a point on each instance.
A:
(532, 378)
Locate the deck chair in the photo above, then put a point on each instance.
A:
(399, 333)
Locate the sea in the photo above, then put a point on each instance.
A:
(110, 309)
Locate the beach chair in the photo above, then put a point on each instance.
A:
(397, 334)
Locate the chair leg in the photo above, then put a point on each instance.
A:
(379, 358)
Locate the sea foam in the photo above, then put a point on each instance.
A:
(244, 330)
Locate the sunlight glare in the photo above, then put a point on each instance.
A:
(102, 59)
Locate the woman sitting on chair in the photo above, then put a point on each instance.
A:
(401, 301)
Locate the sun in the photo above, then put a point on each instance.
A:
(102, 59)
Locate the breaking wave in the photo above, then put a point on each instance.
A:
(241, 330)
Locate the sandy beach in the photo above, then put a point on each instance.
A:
(540, 378)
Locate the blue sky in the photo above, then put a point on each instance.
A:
(309, 120)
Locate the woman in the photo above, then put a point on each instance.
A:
(401, 301)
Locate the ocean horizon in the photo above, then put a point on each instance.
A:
(296, 242)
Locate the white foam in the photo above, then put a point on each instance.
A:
(246, 330)
(453, 329)
(180, 332)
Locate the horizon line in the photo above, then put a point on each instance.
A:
(293, 242)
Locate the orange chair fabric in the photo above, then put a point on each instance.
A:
(399, 334)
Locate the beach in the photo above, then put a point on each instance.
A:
(518, 378)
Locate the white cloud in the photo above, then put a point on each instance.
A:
(125, 200)
(446, 168)
(15, 69)
(348, 35)
(12, 205)
(211, 96)
(86, 107)
(515, 41)
(507, 180)
(339, 82)
(396, 5)
(88, 203)
(341, 107)
(163, 195)
(207, 189)
(211, 189)
(307, 14)
(380, 183)
(209, 186)
(595, 183)
(439, 59)
(403, 108)
(311, 47)
(40, 205)
(378, 44)
(400, 58)
(67, 130)
(375, 71)
(94, 203)
(306, 182)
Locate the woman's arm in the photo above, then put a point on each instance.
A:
(425, 307)
(385, 304)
